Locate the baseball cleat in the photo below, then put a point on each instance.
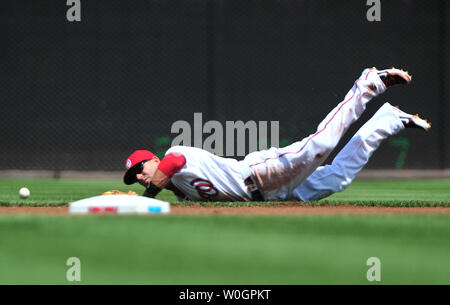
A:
(412, 121)
(392, 77)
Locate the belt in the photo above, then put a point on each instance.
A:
(255, 193)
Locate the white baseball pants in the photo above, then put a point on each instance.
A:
(281, 172)
(329, 179)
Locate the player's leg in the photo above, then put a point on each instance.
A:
(280, 170)
(329, 179)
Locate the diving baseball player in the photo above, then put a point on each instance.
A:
(293, 172)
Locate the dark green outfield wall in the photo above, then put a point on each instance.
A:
(84, 95)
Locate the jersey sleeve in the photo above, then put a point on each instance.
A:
(171, 164)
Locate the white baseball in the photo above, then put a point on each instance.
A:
(24, 193)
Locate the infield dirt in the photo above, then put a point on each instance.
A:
(256, 210)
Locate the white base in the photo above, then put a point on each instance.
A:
(119, 204)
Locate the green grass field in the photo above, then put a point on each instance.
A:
(226, 249)
(431, 192)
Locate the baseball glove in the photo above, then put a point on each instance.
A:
(117, 192)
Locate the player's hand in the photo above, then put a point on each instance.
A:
(117, 192)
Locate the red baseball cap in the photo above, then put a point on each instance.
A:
(133, 164)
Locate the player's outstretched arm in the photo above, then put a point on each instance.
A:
(159, 181)
(168, 166)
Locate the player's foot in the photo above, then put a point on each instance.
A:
(412, 121)
(392, 77)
